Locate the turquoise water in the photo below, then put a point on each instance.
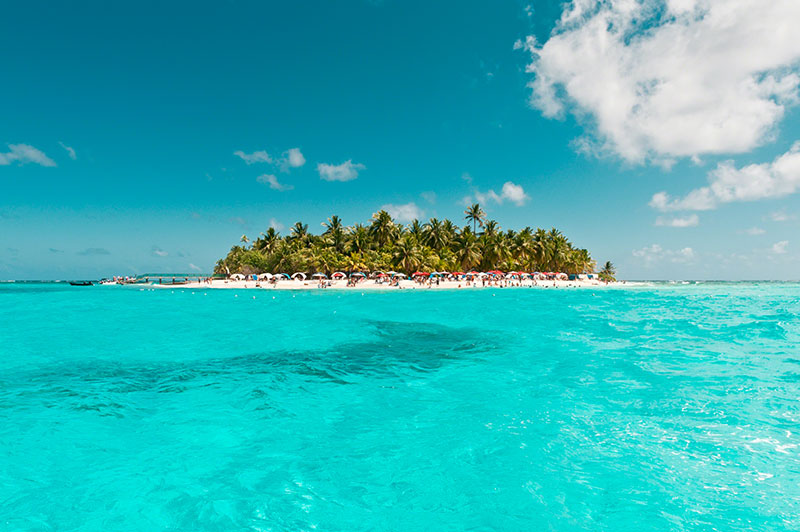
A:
(666, 408)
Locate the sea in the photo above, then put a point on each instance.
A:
(655, 407)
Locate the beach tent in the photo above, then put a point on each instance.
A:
(338, 275)
(238, 277)
(319, 275)
(299, 276)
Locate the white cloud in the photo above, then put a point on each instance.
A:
(779, 216)
(275, 224)
(510, 192)
(467, 177)
(655, 254)
(727, 184)
(779, 248)
(686, 221)
(158, 252)
(70, 151)
(405, 212)
(347, 171)
(256, 157)
(429, 196)
(194, 267)
(755, 231)
(293, 158)
(660, 79)
(272, 181)
(25, 153)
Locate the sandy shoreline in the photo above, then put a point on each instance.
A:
(403, 285)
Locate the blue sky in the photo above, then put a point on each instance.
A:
(121, 126)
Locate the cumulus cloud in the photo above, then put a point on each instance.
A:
(24, 153)
(275, 224)
(272, 181)
(292, 158)
(510, 192)
(70, 151)
(403, 213)
(660, 79)
(347, 171)
(158, 252)
(779, 248)
(727, 184)
(687, 221)
(655, 254)
(259, 156)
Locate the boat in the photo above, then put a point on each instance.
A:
(80, 283)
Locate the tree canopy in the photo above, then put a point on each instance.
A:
(384, 244)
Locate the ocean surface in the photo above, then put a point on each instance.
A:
(664, 407)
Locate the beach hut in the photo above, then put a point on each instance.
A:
(299, 276)
(338, 275)
(238, 277)
(319, 275)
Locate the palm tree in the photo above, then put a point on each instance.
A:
(416, 230)
(608, 273)
(334, 230)
(406, 254)
(359, 238)
(299, 232)
(475, 214)
(382, 227)
(469, 250)
(383, 244)
(491, 228)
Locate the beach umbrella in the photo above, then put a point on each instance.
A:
(299, 275)
(284, 275)
(338, 275)
(357, 274)
(265, 276)
(418, 274)
(319, 275)
(398, 274)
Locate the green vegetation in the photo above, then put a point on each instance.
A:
(437, 245)
(608, 273)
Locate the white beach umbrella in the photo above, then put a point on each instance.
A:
(299, 276)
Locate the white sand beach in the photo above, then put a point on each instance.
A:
(370, 284)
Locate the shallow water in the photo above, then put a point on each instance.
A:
(657, 408)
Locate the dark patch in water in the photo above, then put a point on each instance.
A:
(399, 349)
